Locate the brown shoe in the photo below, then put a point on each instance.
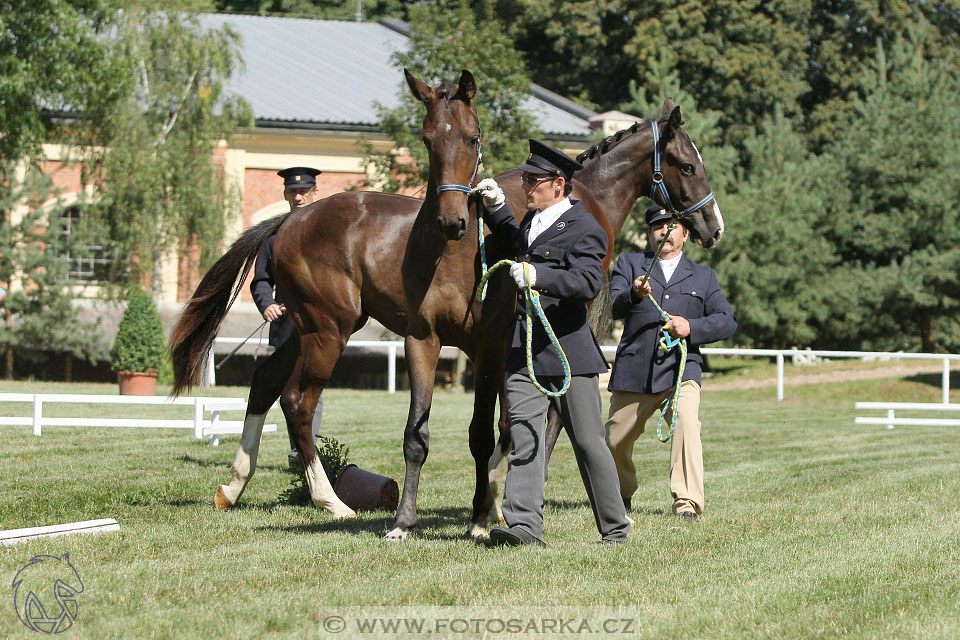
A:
(689, 516)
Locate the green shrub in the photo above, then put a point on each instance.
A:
(140, 343)
(333, 455)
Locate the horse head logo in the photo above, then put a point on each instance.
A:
(45, 592)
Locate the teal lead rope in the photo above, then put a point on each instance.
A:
(532, 303)
(667, 344)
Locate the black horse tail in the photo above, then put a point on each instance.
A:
(601, 311)
(200, 320)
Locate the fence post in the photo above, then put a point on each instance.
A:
(37, 414)
(946, 381)
(197, 418)
(392, 369)
(890, 416)
(780, 376)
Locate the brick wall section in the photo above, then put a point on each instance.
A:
(66, 177)
(263, 187)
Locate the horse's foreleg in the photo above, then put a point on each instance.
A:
(489, 380)
(265, 389)
(422, 355)
(301, 396)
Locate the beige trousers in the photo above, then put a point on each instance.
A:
(628, 415)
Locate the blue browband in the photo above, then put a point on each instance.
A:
(467, 188)
(658, 184)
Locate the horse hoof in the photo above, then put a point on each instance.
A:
(396, 535)
(339, 511)
(220, 499)
(478, 532)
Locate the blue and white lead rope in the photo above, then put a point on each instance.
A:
(532, 303)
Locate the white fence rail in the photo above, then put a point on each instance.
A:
(201, 426)
(892, 407)
(393, 347)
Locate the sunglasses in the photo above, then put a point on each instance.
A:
(532, 181)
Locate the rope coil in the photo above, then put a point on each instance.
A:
(532, 303)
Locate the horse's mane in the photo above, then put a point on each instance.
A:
(610, 142)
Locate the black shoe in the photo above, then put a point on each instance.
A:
(513, 537)
(689, 516)
(609, 541)
(626, 504)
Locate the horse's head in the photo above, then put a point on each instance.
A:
(451, 133)
(686, 179)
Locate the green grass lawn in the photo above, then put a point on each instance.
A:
(814, 527)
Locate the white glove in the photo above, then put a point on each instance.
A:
(492, 193)
(516, 272)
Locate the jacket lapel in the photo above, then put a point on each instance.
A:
(683, 271)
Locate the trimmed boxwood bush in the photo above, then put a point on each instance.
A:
(140, 343)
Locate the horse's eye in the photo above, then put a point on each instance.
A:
(686, 169)
(473, 141)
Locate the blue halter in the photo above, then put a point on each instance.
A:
(467, 188)
(658, 184)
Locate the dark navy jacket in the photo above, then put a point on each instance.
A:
(693, 292)
(568, 258)
(261, 288)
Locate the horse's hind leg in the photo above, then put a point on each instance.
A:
(267, 384)
(554, 427)
(299, 401)
(497, 466)
(422, 355)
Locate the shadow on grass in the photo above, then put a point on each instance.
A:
(432, 524)
(935, 379)
(226, 465)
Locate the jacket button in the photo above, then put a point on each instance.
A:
(666, 296)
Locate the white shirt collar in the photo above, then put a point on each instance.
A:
(669, 266)
(545, 219)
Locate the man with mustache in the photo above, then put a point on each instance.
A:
(644, 374)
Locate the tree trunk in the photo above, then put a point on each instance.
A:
(68, 367)
(8, 363)
(926, 331)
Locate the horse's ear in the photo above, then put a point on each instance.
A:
(466, 86)
(668, 106)
(673, 125)
(421, 90)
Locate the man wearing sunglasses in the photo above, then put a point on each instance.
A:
(560, 249)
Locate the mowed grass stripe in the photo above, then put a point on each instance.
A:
(815, 527)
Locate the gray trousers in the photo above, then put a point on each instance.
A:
(580, 410)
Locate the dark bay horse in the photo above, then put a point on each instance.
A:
(363, 241)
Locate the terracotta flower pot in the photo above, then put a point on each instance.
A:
(365, 491)
(134, 383)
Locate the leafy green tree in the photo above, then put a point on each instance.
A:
(442, 43)
(741, 58)
(153, 162)
(899, 157)
(844, 36)
(53, 59)
(37, 313)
